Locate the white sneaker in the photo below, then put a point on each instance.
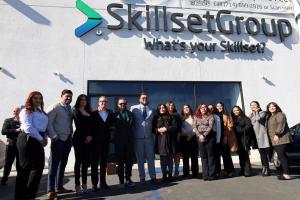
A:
(84, 188)
(78, 189)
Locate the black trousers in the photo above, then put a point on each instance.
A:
(244, 160)
(189, 149)
(31, 165)
(207, 154)
(224, 151)
(10, 155)
(82, 161)
(264, 156)
(99, 154)
(281, 152)
(124, 154)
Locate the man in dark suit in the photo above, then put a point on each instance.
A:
(11, 128)
(123, 139)
(102, 121)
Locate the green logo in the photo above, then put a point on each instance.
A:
(94, 18)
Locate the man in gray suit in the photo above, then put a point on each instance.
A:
(60, 131)
(144, 137)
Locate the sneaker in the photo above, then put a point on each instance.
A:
(129, 183)
(84, 188)
(78, 190)
(63, 190)
(51, 195)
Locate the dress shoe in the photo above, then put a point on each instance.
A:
(154, 181)
(143, 182)
(104, 186)
(63, 190)
(51, 195)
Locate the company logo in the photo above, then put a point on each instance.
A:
(94, 19)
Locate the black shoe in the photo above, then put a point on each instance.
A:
(247, 174)
(4, 181)
(104, 186)
(95, 188)
(154, 181)
(211, 178)
(242, 173)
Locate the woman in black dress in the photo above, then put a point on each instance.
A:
(165, 127)
(81, 139)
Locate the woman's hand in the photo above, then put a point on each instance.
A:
(88, 139)
(276, 139)
(202, 138)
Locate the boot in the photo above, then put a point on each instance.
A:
(267, 171)
(263, 171)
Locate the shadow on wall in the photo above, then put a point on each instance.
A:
(28, 12)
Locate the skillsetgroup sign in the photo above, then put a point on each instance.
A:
(159, 18)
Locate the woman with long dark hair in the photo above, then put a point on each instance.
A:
(228, 139)
(188, 142)
(165, 126)
(203, 123)
(30, 145)
(177, 155)
(258, 119)
(280, 136)
(245, 135)
(81, 139)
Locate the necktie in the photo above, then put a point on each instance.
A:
(144, 112)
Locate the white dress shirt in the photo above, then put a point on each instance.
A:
(33, 123)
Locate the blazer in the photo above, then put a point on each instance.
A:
(60, 121)
(9, 129)
(277, 125)
(101, 130)
(123, 129)
(142, 128)
(83, 125)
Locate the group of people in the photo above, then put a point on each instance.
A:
(138, 134)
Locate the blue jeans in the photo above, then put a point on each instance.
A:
(57, 163)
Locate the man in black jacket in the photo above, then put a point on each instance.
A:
(123, 138)
(11, 128)
(102, 121)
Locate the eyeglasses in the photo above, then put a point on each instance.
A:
(122, 104)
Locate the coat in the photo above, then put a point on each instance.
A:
(229, 136)
(277, 125)
(164, 143)
(244, 133)
(123, 129)
(258, 123)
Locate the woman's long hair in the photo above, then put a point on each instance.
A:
(183, 115)
(234, 117)
(29, 105)
(224, 108)
(268, 113)
(77, 104)
(198, 113)
(258, 105)
(171, 102)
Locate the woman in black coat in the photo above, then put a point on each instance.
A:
(165, 127)
(245, 139)
(81, 140)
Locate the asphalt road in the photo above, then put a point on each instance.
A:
(236, 188)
